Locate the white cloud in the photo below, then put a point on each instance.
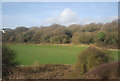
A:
(109, 19)
(97, 20)
(86, 21)
(14, 20)
(67, 16)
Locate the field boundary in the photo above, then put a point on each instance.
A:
(90, 45)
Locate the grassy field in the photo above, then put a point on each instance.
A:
(49, 54)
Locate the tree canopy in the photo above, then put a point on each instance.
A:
(100, 34)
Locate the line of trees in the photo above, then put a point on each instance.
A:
(100, 34)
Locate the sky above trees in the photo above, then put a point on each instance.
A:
(65, 13)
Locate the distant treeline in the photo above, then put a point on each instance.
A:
(100, 34)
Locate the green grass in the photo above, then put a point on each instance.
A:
(46, 54)
(115, 55)
(49, 54)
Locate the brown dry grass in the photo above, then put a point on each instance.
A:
(60, 71)
(48, 71)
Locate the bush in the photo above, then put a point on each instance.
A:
(8, 61)
(105, 71)
(36, 66)
(90, 58)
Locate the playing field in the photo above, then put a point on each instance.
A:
(49, 54)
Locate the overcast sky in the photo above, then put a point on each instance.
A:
(46, 13)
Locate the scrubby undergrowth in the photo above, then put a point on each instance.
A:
(105, 71)
(47, 71)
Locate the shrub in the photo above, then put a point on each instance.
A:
(106, 71)
(36, 66)
(8, 61)
(90, 58)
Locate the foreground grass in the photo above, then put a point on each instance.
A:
(50, 54)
